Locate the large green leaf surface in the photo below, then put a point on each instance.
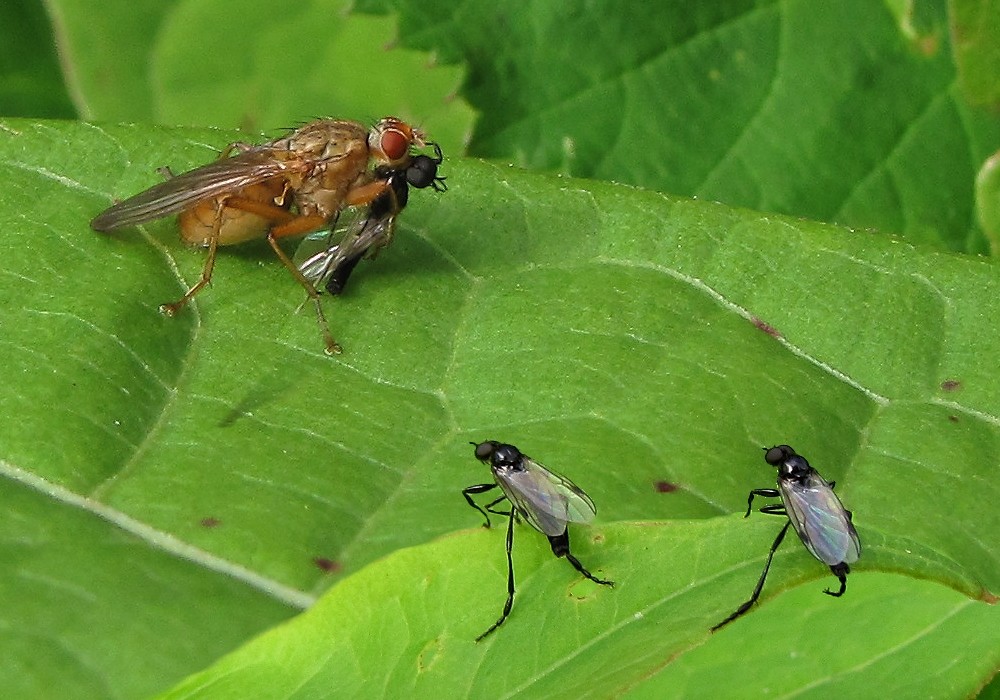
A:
(99, 606)
(404, 628)
(643, 345)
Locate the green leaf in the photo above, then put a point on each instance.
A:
(629, 340)
(976, 25)
(30, 82)
(258, 68)
(846, 113)
(98, 605)
(404, 627)
(106, 55)
(988, 199)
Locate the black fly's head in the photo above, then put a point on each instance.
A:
(422, 171)
(499, 455)
(791, 466)
(778, 454)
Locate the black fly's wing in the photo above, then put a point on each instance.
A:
(546, 500)
(821, 520)
(175, 194)
(326, 259)
(321, 254)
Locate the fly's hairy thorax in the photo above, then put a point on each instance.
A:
(326, 160)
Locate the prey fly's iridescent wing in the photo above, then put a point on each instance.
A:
(326, 258)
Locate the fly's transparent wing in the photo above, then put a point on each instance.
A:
(547, 501)
(224, 176)
(821, 520)
(356, 233)
(316, 256)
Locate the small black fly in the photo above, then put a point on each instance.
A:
(819, 518)
(545, 500)
(328, 258)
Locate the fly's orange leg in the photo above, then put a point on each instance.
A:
(301, 224)
(234, 146)
(289, 224)
(366, 194)
(294, 227)
(283, 224)
(171, 308)
(270, 212)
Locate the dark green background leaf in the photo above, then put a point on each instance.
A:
(839, 112)
(621, 337)
(857, 114)
(31, 83)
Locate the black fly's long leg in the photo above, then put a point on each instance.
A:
(491, 504)
(510, 578)
(479, 488)
(560, 547)
(766, 493)
(840, 571)
(775, 509)
(760, 584)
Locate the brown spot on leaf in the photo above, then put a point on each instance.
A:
(325, 565)
(665, 486)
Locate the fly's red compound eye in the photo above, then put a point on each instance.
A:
(394, 143)
(391, 140)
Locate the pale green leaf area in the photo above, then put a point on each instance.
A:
(258, 66)
(847, 112)
(632, 341)
(976, 26)
(405, 626)
(988, 199)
